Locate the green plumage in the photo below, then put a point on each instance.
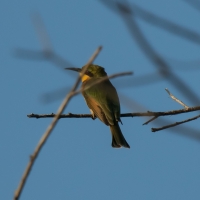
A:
(103, 101)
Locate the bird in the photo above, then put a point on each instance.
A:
(102, 99)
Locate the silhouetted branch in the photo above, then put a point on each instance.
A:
(50, 56)
(174, 124)
(103, 79)
(186, 65)
(183, 130)
(54, 95)
(128, 13)
(41, 32)
(124, 9)
(151, 18)
(130, 82)
(165, 24)
(49, 130)
(137, 114)
(153, 118)
(47, 53)
(194, 3)
(99, 81)
(144, 114)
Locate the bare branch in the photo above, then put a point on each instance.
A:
(141, 80)
(49, 130)
(177, 100)
(128, 15)
(151, 18)
(138, 114)
(174, 124)
(73, 93)
(41, 32)
(103, 79)
(43, 55)
(166, 24)
(193, 3)
(69, 115)
(47, 52)
(153, 118)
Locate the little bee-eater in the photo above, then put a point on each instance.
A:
(103, 101)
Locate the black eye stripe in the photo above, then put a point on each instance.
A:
(89, 73)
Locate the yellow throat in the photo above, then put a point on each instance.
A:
(85, 78)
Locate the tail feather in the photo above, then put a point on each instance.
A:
(114, 143)
(118, 139)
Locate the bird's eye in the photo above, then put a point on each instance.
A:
(89, 73)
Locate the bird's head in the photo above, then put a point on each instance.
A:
(92, 71)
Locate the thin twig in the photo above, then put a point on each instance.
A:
(194, 3)
(153, 118)
(51, 96)
(47, 52)
(174, 124)
(155, 20)
(39, 55)
(128, 15)
(103, 79)
(177, 100)
(49, 130)
(166, 24)
(41, 32)
(98, 81)
(138, 114)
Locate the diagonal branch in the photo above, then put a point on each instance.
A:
(153, 118)
(175, 124)
(177, 100)
(128, 15)
(49, 130)
(151, 18)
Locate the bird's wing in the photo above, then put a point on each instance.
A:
(94, 106)
(103, 100)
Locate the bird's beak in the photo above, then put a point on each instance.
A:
(73, 69)
(79, 70)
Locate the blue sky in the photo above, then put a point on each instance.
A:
(78, 162)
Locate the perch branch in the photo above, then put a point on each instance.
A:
(138, 114)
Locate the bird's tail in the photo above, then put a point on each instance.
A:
(118, 139)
